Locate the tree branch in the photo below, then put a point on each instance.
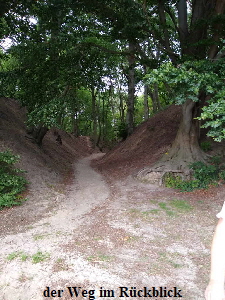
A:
(182, 20)
(214, 49)
(105, 49)
(172, 18)
(162, 17)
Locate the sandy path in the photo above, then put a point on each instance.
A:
(21, 278)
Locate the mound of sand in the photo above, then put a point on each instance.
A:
(145, 146)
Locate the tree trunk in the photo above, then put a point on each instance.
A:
(185, 148)
(38, 133)
(131, 90)
(146, 107)
(184, 151)
(75, 124)
(74, 115)
(121, 108)
(94, 115)
(155, 99)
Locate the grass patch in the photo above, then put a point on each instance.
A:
(30, 227)
(24, 256)
(40, 236)
(168, 211)
(154, 211)
(36, 258)
(40, 256)
(163, 256)
(13, 255)
(91, 258)
(181, 205)
(17, 254)
(177, 204)
(97, 238)
(104, 257)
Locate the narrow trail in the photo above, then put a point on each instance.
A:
(88, 191)
(20, 277)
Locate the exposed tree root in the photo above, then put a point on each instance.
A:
(184, 151)
(176, 166)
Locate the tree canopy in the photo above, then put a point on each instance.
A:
(78, 64)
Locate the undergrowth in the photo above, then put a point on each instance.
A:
(11, 183)
(203, 176)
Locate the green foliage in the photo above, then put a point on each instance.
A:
(189, 81)
(222, 175)
(166, 209)
(11, 184)
(216, 160)
(214, 117)
(203, 174)
(206, 146)
(17, 254)
(181, 205)
(40, 256)
(81, 44)
(122, 130)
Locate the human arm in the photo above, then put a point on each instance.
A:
(215, 288)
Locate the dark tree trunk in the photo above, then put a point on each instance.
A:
(75, 125)
(121, 108)
(155, 99)
(184, 150)
(38, 133)
(74, 116)
(146, 107)
(94, 115)
(131, 90)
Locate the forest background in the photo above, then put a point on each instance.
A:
(78, 65)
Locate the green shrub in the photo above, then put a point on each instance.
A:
(204, 173)
(222, 175)
(216, 160)
(206, 146)
(11, 184)
(176, 182)
(203, 176)
(122, 130)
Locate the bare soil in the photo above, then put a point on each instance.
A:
(95, 226)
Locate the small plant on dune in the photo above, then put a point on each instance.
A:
(11, 183)
(18, 254)
(40, 256)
